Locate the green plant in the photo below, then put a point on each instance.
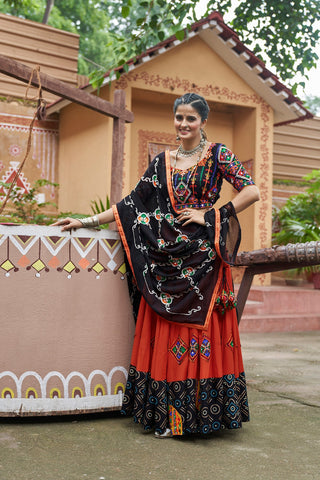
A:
(298, 221)
(25, 206)
(71, 215)
(290, 183)
(314, 178)
(97, 206)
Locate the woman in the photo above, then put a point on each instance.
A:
(186, 373)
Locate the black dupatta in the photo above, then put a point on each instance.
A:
(178, 270)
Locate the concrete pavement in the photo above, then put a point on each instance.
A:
(282, 441)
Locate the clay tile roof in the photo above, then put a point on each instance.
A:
(212, 29)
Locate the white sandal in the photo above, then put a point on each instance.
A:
(166, 434)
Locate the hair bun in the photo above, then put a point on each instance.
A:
(195, 101)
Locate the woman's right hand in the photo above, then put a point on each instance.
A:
(67, 223)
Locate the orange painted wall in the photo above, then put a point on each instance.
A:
(85, 158)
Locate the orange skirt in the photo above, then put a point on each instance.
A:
(186, 379)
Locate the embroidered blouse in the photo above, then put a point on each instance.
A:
(204, 183)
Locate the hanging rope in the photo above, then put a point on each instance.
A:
(40, 114)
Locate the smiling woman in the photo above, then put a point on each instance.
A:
(186, 373)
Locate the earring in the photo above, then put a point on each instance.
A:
(177, 137)
(203, 134)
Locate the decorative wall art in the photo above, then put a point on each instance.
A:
(43, 160)
(67, 324)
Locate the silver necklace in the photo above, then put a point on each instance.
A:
(182, 191)
(188, 153)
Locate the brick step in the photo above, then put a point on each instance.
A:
(280, 323)
(282, 300)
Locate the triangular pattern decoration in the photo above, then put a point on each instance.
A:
(112, 249)
(54, 244)
(84, 242)
(85, 246)
(9, 176)
(22, 243)
(111, 243)
(55, 240)
(24, 240)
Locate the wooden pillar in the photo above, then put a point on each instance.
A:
(117, 149)
(244, 291)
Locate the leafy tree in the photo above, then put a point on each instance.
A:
(281, 33)
(287, 31)
(47, 11)
(314, 183)
(298, 221)
(76, 16)
(312, 103)
(112, 31)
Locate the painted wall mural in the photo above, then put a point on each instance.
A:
(65, 263)
(66, 322)
(43, 160)
(87, 396)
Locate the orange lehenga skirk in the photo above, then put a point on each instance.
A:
(186, 379)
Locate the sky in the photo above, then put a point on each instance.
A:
(312, 85)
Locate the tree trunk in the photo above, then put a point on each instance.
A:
(48, 9)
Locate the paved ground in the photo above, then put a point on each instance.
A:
(282, 441)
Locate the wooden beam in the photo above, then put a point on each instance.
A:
(297, 254)
(117, 150)
(50, 84)
(275, 259)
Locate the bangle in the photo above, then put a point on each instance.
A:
(89, 222)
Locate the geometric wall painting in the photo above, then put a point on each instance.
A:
(60, 356)
(44, 250)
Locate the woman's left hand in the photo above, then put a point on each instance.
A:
(190, 215)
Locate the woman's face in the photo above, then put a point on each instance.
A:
(187, 122)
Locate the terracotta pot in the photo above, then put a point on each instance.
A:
(316, 280)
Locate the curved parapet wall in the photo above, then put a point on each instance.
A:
(66, 321)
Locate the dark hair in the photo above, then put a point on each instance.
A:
(195, 101)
